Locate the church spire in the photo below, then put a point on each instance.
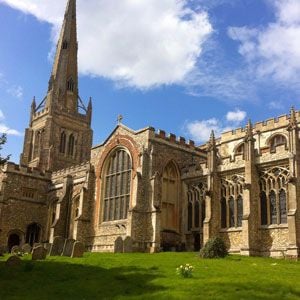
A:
(63, 83)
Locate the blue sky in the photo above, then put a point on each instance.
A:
(183, 66)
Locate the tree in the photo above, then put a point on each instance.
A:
(3, 139)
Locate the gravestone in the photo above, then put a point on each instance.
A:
(128, 245)
(57, 246)
(39, 253)
(68, 248)
(78, 250)
(16, 250)
(13, 261)
(26, 248)
(47, 246)
(119, 245)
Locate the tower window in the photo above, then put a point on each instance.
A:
(70, 85)
(62, 148)
(71, 145)
(65, 45)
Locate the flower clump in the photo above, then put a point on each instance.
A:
(185, 271)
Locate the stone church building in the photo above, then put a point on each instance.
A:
(164, 192)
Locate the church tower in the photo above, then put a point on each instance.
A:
(59, 133)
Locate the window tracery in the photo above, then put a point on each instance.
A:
(273, 196)
(232, 201)
(276, 141)
(196, 205)
(117, 184)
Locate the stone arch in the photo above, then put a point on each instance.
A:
(15, 237)
(270, 140)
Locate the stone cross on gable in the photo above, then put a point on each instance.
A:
(119, 119)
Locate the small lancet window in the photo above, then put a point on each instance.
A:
(65, 45)
(62, 148)
(277, 140)
(71, 145)
(240, 149)
(70, 85)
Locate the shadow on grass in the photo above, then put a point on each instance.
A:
(62, 280)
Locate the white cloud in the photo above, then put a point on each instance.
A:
(142, 43)
(2, 117)
(9, 131)
(274, 51)
(15, 91)
(276, 105)
(200, 130)
(236, 116)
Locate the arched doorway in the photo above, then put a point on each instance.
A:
(33, 233)
(13, 240)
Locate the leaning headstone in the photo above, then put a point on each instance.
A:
(13, 261)
(39, 253)
(78, 250)
(68, 248)
(26, 248)
(128, 244)
(16, 250)
(57, 246)
(119, 245)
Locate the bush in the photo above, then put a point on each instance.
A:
(214, 248)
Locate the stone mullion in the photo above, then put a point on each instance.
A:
(235, 203)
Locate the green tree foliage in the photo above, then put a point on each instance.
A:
(3, 139)
(214, 248)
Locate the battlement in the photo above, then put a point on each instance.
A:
(269, 124)
(172, 138)
(24, 170)
(71, 170)
(41, 113)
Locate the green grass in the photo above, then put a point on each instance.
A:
(150, 276)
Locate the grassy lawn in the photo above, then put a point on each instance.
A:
(150, 276)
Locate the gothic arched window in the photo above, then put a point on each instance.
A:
(231, 212)
(273, 210)
(65, 45)
(62, 147)
(197, 214)
(223, 213)
(239, 211)
(263, 208)
(240, 149)
(170, 190)
(71, 145)
(282, 206)
(277, 140)
(190, 215)
(117, 184)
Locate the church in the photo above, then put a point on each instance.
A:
(161, 191)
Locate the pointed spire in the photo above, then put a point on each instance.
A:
(293, 118)
(33, 104)
(249, 131)
(64, 77)
(212, 141)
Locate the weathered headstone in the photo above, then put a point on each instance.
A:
(39, 253)
(119, 245)
(16, 250)
(47, 246)
(13, 261)
(68, 248)
(78, 250)
(57, 246)
(128, 245)
(26, 248)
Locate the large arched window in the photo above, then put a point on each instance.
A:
(273, 185)
(223, 213)
(70, 85)
(282, 206)
(231, 212)
(273, 210)
(62, 147)
(263, 208)
(170, 190)
(239, 211)
(117, 183)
